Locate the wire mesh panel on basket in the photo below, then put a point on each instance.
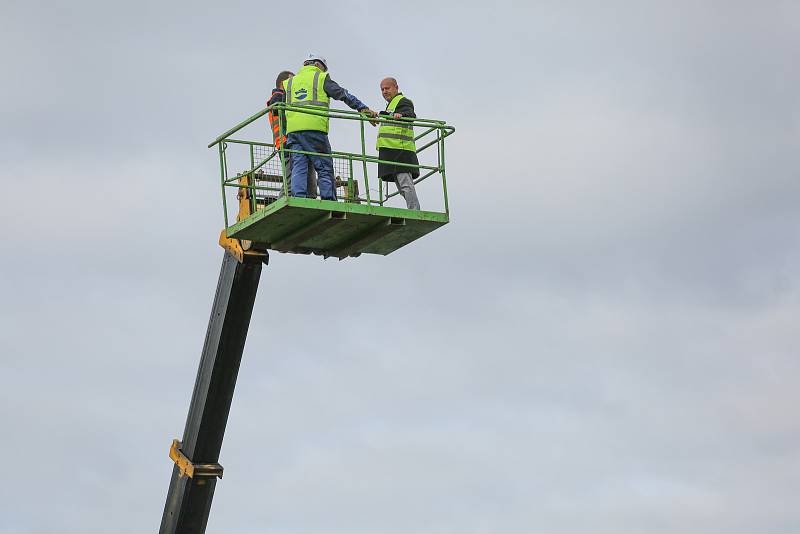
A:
(346, 189)
(269, 177)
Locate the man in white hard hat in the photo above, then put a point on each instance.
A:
(311, 87)
(277, 121)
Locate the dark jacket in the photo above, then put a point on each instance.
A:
(332, 89)
(337, 92)
(386, 171)
(278, 95)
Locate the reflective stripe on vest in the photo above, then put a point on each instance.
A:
(309, 80)
(398, 135)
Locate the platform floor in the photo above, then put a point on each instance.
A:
(338, 229)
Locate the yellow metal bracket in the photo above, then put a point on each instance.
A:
(242, 249)
(189, 469)
(236, 248)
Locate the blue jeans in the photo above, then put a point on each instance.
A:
(311, 141)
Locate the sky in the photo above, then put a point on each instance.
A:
(604, 338)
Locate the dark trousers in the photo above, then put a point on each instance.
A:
(311, 181)
(311, 141)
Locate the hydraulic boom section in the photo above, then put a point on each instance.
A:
(196, 456)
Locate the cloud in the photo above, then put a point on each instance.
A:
(602, 339)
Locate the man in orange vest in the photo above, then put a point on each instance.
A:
(279, 137)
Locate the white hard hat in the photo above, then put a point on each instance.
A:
(317, 57)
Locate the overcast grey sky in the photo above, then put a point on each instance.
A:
(604, 340)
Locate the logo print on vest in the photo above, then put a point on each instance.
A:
(300, 94)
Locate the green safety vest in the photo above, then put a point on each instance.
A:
(398, 135)
(306, 88)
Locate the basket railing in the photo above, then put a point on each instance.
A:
(265, 179)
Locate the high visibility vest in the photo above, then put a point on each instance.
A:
(306, 89)
(275, 123)
(396, 134)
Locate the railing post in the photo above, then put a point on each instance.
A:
(380, 184)
(251, 183)
(364, 160)
(222, 175)
(282, 151)
(441, 168)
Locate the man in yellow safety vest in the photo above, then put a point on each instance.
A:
(396, 143)
(277, 121)
(312, 89)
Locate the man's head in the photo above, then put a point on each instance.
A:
(282, 77)
(389, 88)
(318, 61)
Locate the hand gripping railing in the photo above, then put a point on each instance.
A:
(433, 134)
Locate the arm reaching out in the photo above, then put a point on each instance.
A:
(337, 92)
